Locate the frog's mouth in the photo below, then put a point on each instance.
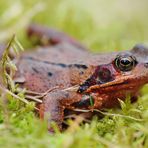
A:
(124, 83)
(109, 85)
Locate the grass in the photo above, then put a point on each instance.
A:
(102, 26)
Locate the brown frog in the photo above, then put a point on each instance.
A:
(81, 79)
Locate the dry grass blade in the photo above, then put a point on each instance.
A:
(108, 114)
(5, 64)
(73, 88)
(12, 94)
(33, 99)
(8, 70)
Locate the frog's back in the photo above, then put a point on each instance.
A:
(68, 54)
(63, 65)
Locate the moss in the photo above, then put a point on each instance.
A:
(100, 25)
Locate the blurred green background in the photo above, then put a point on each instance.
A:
(101, 25)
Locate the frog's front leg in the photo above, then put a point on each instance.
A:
(54, 104)
(49, 36)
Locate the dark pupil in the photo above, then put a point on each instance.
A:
(125, 62)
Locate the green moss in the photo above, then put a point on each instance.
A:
(100, 25)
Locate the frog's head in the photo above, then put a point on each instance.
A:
(126, 73)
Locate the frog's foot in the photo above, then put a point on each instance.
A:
(54, 104)
(48, 36)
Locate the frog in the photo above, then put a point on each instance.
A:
(77, 78)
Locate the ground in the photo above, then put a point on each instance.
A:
(102, 26)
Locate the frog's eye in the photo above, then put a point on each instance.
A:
(125, 62)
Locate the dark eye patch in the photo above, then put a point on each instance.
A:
(102, 74)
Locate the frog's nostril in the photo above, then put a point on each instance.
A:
(146, 65)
